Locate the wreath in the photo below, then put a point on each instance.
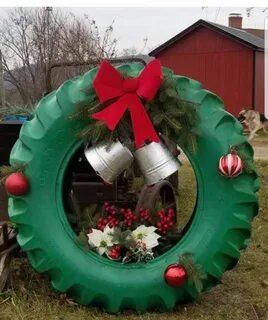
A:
(120, 115)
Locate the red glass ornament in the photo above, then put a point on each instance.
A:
(114, 253)
(175, 275)
(230, 165)
(17, 184)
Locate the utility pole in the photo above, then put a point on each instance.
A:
(2, 88)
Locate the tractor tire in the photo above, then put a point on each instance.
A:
(219, 229)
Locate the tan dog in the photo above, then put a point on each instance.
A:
(254, 121)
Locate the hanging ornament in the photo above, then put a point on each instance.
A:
(185, 270)
(230, 165)
(156, 162)
(109, 160)
(175, 275)
(17, 184)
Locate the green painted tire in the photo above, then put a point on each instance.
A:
(220, 227)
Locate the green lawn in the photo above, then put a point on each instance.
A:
(242, 295)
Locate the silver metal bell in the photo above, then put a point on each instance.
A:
(156, 162)
(109, 160)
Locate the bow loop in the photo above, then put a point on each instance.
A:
(108, 83)
(150, 80)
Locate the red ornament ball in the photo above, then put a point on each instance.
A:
(175, 275)
(16, 184)
(230, 165)
(114, 253)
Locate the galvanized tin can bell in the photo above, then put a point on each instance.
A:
(109, 160)
(156, 162)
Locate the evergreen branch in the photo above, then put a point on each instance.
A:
(241, 151)
(196, 275)
(173, 123)
(5, 171)
(170, 114)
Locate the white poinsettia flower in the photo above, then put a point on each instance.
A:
(99, 240)
(146, 235)
(109, 232)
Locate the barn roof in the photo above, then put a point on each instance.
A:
(240, 35)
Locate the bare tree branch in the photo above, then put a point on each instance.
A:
(31, 40)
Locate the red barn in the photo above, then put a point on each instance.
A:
(228, 61)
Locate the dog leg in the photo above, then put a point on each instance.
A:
(265, 129)
(252, 134)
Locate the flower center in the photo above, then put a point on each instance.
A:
(140, 236)
(103, 243)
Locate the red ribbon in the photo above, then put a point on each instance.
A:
(110, 84)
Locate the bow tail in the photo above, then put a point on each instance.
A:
(112, 114)
(142, 126)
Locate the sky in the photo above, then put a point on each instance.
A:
(133, 25)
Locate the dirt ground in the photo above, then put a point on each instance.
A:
(260, 146)
(260, 150)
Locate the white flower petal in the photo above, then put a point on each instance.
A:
(150, 243)
(95, 237)
(142, 228)
(146, 235)
(108, 231)
(101, 250)
(151, 229)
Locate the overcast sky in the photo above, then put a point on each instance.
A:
(132, 25)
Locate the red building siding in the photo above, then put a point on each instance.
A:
(221, 64)
(259, 82)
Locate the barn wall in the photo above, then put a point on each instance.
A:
(221, 64)
(259, 81)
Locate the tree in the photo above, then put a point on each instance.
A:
(32, 40)
(133, 51)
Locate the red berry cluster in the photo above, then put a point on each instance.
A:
(115, 252)
(126, 218)
(145, 215)
(166, 220)
(129, 217)
(110, 220)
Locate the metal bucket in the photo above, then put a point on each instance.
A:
(109, 160)
(156, 162)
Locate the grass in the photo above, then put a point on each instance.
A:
(242, 294)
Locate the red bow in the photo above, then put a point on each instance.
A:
(109, 84)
